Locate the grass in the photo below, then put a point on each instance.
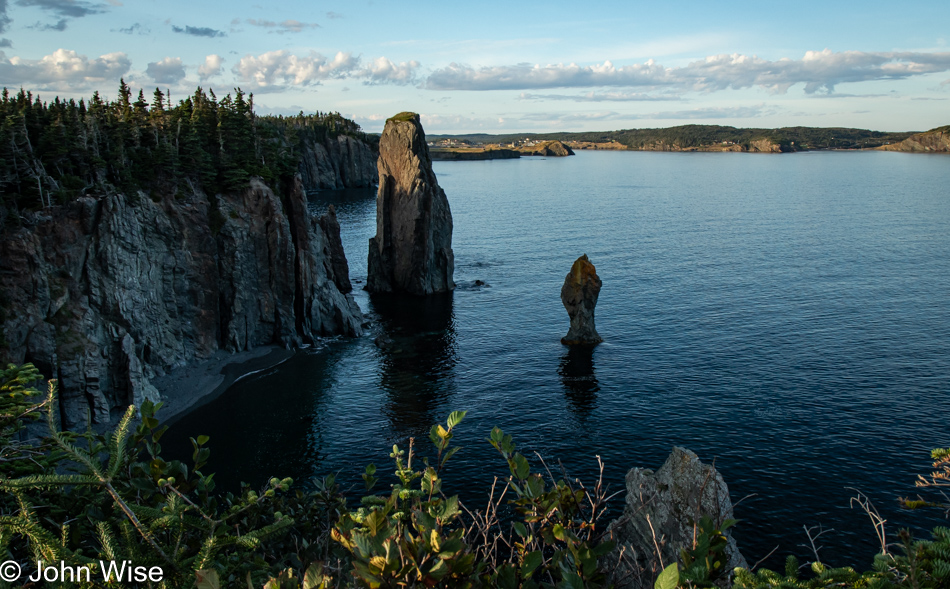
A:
(404, 117)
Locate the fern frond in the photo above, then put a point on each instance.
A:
(207, 553)
(110, 549)
(119, 441)
(47, 481)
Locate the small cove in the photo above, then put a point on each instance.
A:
(786, 315)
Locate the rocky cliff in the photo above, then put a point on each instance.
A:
(108, 292)
(660, 514)
(469, 154)
(412, 249)
(933, 141)
(553, 148)
(579, 296)
(337, 162)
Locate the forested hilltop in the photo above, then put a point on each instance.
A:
(53, 152)
(694, 137)
(141, 238)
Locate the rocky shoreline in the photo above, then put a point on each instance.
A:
(185, 389)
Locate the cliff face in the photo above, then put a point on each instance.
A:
(106, 293)
(341, 162)
(553, 148)
(412, 249)
(934, 141)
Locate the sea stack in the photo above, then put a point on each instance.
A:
(412, 249)
(579, 295)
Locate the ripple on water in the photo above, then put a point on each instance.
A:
(786, 316)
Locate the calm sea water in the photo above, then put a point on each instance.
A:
(786, 316)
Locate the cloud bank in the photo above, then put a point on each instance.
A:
(211, 67)
(167, 71)
(63, 68)
(283, 27)
(817, 70)
(276, 70)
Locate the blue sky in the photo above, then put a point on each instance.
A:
(506, 66)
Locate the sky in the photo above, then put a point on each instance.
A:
(500, 67)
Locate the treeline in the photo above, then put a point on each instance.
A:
(53, 152)
(694, 136)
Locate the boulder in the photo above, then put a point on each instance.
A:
(412, 249)
(660, 512)
(579, 295)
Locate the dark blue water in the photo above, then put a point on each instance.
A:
(786, 316)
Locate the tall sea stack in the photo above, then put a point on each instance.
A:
(579, 295)
(412, 250)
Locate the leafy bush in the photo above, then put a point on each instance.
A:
(113, 497)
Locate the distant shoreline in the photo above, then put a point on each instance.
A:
(715, 138)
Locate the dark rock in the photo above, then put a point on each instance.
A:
(661, 509)
(333, 252)
(553, 148)
(473, 154)
(107, 293)
(412, 249)
(334, 163)
(579, 295)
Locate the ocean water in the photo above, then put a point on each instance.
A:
(786, 316)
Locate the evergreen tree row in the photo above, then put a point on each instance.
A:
(53, 152)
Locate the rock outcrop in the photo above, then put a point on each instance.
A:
(106, 293)
(661, 509)
(933, 141)
(579, 295)
(553, 148)
(338, 162)
(764, 146)
(468, 154)
(412, 249)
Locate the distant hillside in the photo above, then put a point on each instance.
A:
(935, 140)
(708, 137)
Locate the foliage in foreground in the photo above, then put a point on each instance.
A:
(82, 498)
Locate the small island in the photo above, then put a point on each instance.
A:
(454, 150)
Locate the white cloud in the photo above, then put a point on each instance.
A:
(286, 26)
(602, 97)
(63, 70)
(382, 70)
(817, 70)
(167, 71)
(211, 67)
(275, 70)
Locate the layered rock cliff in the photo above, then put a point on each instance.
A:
(933, 141)
(412, 249)
(108, 292)
(337, 162)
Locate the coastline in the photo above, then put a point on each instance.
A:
(187, 388)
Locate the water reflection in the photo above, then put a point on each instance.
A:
(265, 425)
(580, 382)
(417, 343)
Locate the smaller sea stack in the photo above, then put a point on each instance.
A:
(579, 295)
(412, 249)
